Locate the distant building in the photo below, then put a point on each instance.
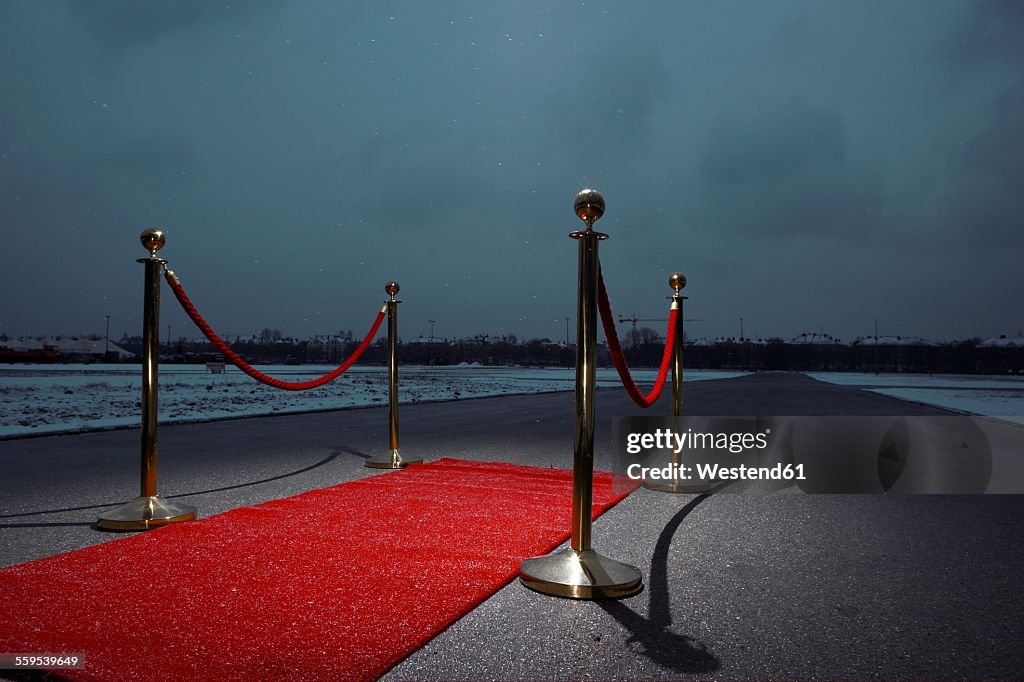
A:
(1003, 341)
(62, 349)
(1000, 355)
(893, 354)
(893, 341)
(327, 349)
(814, 339)
(817, 351)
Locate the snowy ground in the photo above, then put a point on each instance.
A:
(60, 398)
(995, 396)
(38, 399)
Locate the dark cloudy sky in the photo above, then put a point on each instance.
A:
(810, 165)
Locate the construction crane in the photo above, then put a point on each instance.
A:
(636, 319)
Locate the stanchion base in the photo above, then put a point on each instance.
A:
(580, 575)
(677, 487)
(392, 461)
(143, 513)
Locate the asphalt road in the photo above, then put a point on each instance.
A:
(783, 586)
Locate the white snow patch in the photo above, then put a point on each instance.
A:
(992, 396)
(38, 399)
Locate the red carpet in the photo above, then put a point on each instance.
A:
(334, 584)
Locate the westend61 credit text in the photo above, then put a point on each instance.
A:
(716, 472)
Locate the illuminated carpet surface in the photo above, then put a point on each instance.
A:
(340, 583)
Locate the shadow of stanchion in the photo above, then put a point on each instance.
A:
(326, 460)
(48, 525)
(352, 451)
(674, 651)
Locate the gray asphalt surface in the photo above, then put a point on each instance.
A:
(784, 586)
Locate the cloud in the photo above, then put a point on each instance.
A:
(987, 203)
(441, 145)
(786, 172)
(791, 141)
(983, 56)
(606, 110)
(123, 24)
(990, 32)
(154, 159)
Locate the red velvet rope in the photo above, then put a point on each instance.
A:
(241, 364)
(619, 359)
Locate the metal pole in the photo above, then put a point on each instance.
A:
(148, 510)
(633, 341)
(677, 281)
(568, 358)
(586, 365)
(743, 364)
(106, 345)
(392, 460)
(579, 571)
(876, 347)
(150, 372)
(433, 351)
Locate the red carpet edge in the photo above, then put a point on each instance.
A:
(340, 583)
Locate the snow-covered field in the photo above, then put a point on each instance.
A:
(38, 399)
(995, 396)
(60, 398)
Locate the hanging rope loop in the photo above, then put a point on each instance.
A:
(619, 358)
(237, 361)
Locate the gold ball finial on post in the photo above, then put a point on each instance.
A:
(589, 206)
(153, 239)
(392, 288)
(677, 281)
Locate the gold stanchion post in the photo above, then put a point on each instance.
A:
(392, 460)
(579, 571)
(149, 510)
(677, 281)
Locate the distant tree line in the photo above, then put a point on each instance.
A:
(960, 357)
(968, 356)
